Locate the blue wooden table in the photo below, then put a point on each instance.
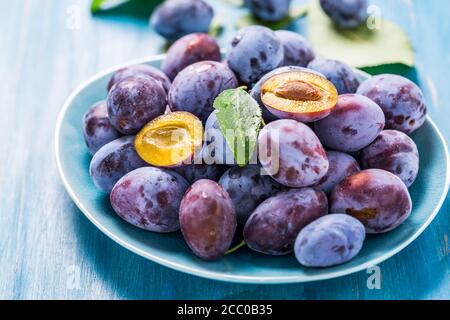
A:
(48, 249)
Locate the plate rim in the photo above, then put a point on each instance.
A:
(216, 275)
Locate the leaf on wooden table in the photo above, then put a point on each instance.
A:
(360, 47)
(294, 14)
(137, 8)
(239, 117)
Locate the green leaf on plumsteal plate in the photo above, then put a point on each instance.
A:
(137, 8)
(294, 14)
(239, 117)
(362, 47)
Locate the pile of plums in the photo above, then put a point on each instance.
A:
(338, 158)
(174, 19)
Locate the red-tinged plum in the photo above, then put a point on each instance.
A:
(194, 172)
(247, 188)
(140, 69)
(196, 87)
(292, 154)
(297, 50)
(395, 152)
(274, 225)
(207, 219)
(402, 101)
(176, 18)
(330, 240)
(149, 198)
(189, 49)
(97, 129)
(353, 125)
(135, 101)
(269, 10)
(254, 51)
(342, 166)
(346, 14)
(112, 161)
(341, 75)
(377, 198)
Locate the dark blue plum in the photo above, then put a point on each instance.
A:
(292, 154)
(140, 69)
(196, 87)
(113, 161)
(342, 165)
(149, 198)
(341, 75)
(395, 152)
(97, 129)
(274, 225)
(207, 219)
(402, 101)
(330, 240)
(247, 189)
(176, 18)
(353, 125)
(269, 10)
(254, 51)
(194, 172)
(377, 198)
(189, 49)
(297, 50)
(346, 14)
(135, 101)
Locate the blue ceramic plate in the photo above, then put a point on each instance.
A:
(428, 194)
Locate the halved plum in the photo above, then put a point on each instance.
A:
(300, 95)
(170, 140)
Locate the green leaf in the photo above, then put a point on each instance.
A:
(295, 14)
(239, 117)
(99, 5)
(137, 8)
(361, 47)
(216, 27)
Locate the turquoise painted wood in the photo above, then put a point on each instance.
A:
(48, 249)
